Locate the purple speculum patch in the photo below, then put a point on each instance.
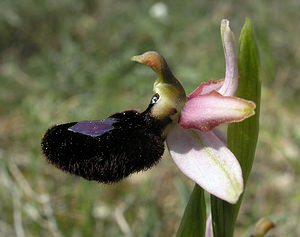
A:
(94, 128)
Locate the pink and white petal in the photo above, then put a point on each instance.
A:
(205, 159)
(231, 77)
(207, 111)
(206, 88)
(220, 135)
(209, 229)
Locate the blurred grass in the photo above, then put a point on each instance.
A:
(68, 60)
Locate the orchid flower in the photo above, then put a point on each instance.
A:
(193, 142)
(111, 149)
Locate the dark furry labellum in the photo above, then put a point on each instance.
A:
(107, 150)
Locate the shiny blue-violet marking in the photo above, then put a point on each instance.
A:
(94, 128)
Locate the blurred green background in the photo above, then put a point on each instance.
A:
(66, 60)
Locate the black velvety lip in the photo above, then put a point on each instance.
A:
(107, 150)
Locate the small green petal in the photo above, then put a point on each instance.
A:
(171, 93)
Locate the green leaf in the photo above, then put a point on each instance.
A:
(242, 137)
(194, 218)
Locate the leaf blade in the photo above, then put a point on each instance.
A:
(194, 218)
(242, 137)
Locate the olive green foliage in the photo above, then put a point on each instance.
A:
(68, 60)
(194, 217)
(241, 137)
